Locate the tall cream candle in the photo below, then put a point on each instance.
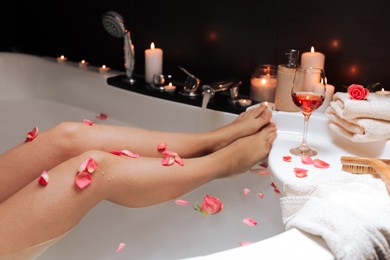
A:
(153, 62)
(313, 59)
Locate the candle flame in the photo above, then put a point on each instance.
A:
(266, 103)
(104, 66)
(383, 90)
(312, 49)
(62, 57)
(170, 84)
(82, 61)
(152, 45)
(263, 81)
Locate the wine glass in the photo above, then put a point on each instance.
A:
(308, 93)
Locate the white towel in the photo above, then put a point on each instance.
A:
(360, 120)
(350, 212)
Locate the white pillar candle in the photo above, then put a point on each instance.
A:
(383, 92)
(263, 88)
(153, 62)
(313, 59)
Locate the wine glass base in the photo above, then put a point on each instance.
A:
(303, 152)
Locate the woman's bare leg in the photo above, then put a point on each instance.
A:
(37, 213)
(66, 140)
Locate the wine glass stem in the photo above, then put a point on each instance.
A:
(304, 146)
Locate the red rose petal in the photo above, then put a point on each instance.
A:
(249, 222)
(129, 154)
(170, 153)
(44, 178)
(179, 160)
(88, 122)
(320, 164)
(102, 116)
(32, 134)
(262, 172)
(287, 158)
(83, 180)
(306, 159)
(161, 147)
(167, 161)
(260, 195)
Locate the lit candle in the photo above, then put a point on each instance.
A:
(61, 59)
(313, 59)
(263, 88)
(244, 102)
(269, 105)
(83, 64)
(104, 69)
(170, 87)
(153, 62)
(383, 92)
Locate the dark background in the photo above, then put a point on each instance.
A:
(214, 40)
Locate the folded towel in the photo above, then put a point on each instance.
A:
(360, 120)
(375, 107)
(350, 212)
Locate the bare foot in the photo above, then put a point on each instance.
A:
(248, 151)
(247, 123)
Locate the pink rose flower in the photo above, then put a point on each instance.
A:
(358, 92)
(210, 206)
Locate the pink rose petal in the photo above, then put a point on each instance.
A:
(306, 160)
(260, 195)
(116, 152)
(170, 153)
(179, 160)
(301, 174)
(102, 116)
(120, 247)
(88, 165)
(88, 122)
(32, 134)
(44, 178)
(129, 154)
(320, 164)
(245, 243)
(167, 161)
(246, 191)
(262, 172)
(249, 222)
(161, 147)
(287, 158)
(181, 202)
(83, 180)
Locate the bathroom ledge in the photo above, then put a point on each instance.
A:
(220, 102)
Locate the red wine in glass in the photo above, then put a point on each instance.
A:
(308, 93)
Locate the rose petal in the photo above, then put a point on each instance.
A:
(87, 122)
(102, 116)
(320, 164)
(88, 165)
(167, 161)
(260, 195)
(116, 152)
(300, 170)
(246, 191)
(181, 202)
(83, 180)
(129, 154)
(261, 172)
(245, 243)
(170, 153)
(264, 165)
(120, 247)
(306, 159)
(179, 160)
(161, 147)
(287, 158)
(249, 222)
(32, 134)
(276, 190)
(44, 178)
(301, 174)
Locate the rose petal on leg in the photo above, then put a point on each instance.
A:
(83, 180)
(32, 134)
(88, 122)
(179, 160)
(167, 161)
(44, 178)
(161, 147)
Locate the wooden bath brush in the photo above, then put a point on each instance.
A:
(361, 165)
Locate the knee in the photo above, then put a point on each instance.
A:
(66, 136)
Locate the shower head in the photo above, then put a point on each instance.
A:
(114, 24)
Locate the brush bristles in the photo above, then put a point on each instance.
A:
(359, 165)
(358, 169)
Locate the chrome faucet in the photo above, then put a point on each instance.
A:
(114, 25)
(228, 85)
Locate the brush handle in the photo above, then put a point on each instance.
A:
(361, 160)
(382, 169)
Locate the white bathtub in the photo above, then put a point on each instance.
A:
(40, 91)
